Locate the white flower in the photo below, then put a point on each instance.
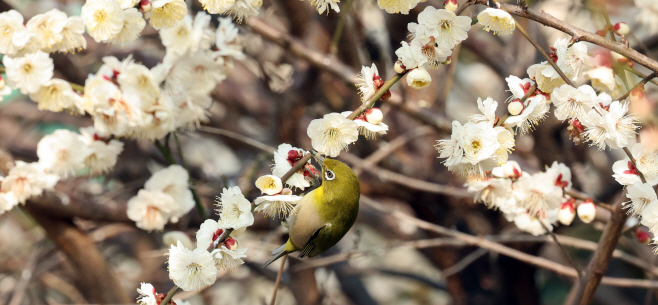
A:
(280, 205)
(546, 77)
(72, 37)
(269, 184)
(506, 144)
(518, 87)
(397, 6)
(641, 195)
(366, 82)
(13, 34)
(56, 95)
(166, 13)
(112, 113)
(324, 5)
(136, 79)
(418, 78)
(150, 210)
(571, 59)
(284, 158)
(560, 175)
(227, 40)
(435, 53)
(648, 14)
(234, 209)
(488, 109)
(411, 56)
(198, 73)
(612, 127)
(481, 148)
(646, 160)
(191, 110)
(538, 193)
(572, 103)
(447, 28)
(158, 118)
(62, 152)
(26, 180)
(173, 237)
(173, 181)
(244, 8)
(191, 270)
(217, 6)
(47, 28)
(7, 201)
(127, 4)
(228, 259)
(511, 169)
(146, 295)
(133, 24)
(603, 79)
(29, 72)
(453, 149)
(4, 88)
(103, 19)
(332, 133)
(189, 35)
(494, 193)
(649, 216)
(534, 112)
(497, 20)
(208, 232)
(532, 224)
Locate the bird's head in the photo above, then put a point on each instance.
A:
(336, 175)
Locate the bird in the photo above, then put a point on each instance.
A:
(324, 215)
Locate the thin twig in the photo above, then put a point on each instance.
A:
(278, 279)
(638, 73)
(463, 8)
(607, 21)
(459, 266)
(543, 53)
(170, 294)
(581, 196)
(371, 101)
(344, 14)
(451, 74)
(564, 250)
(638, 85)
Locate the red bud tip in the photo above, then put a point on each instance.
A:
(638, 92)
(621, 28)
(399, 67)
(231, 243)
(642, 236)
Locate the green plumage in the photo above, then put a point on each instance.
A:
(324, 215)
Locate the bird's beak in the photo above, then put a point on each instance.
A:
(318, 158)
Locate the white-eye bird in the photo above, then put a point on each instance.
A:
(324, 215)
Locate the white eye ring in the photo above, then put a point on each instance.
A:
(329, 175)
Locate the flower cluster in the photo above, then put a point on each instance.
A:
(275, 200)
(479, 145)
(130, 100)
(49, 32)
(165, 198)
(534, 202)
(61, 154)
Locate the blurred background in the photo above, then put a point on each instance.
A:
(271, 97)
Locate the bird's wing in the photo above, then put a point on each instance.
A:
(304, 222)
(310, 245)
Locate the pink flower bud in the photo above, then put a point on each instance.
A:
(515, 107)
(145, 6)
(374, 116)
(451, 5)
(567, 212)
(621, 28)
(587, 211)
(399, 68)
(642, 236)
(231, 243)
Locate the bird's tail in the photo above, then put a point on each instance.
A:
(276, 254)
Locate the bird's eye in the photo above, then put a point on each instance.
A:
(329, 175)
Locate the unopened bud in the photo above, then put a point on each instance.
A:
(145, 6)
(451, 5)
(399, 67)
(418, 78)
(374, 116)
(386, 95)
(173, 237)
(621, 28)
(515, 107)
(587, 211)
(377, 81)
(642, 236)
(637, 93)
(567, 213)
(231, 243)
